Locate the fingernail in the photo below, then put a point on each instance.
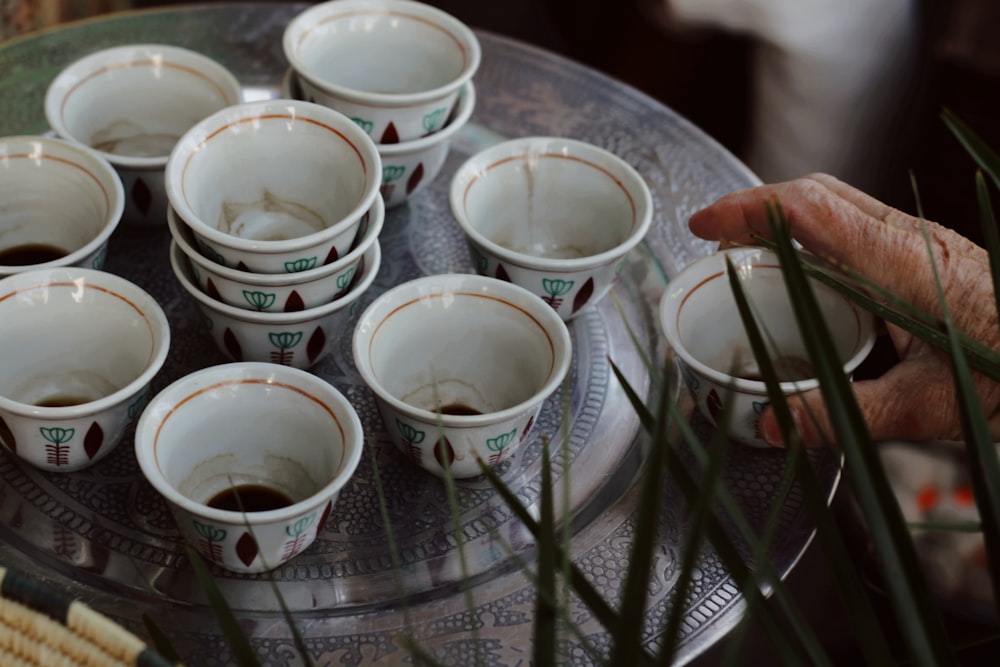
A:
(770, 431)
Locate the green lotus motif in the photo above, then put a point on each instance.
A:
(210, 533)
(297, 265)
(391, 173)
(365, 125)
(259, 300)
(211, 253)
(285, 340)
(499, 443)
(409, 433)
(56, 435)
(556, 286)
(300, 526)
(344, 279)
(434, 120)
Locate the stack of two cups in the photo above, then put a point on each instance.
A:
(275, 214)
(401, 70)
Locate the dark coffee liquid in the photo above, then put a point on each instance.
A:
(459, 409)
(252, 498)
(30, 253)
(63, 401)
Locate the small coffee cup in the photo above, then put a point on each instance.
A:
(555, 216)
(61, 203)
(250, 458)
(82, 347)
(132, 103)
(460, 366)
(699, 316)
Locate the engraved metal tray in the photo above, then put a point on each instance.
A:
(103, 534)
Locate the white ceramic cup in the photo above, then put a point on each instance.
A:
(278, 292)
(82, 347)
(699, 316)
(284, 439)
(555, 216)
(395, 67)
(272, 186)
(132, 103)
(410, 166)
(460, 366)
(299, 338)
(59, 204)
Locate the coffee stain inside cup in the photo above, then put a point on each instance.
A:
(125, 138)
(787, 368)
(269, 218)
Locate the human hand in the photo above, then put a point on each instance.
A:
(915, 399)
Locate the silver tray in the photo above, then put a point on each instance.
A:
(103, 534)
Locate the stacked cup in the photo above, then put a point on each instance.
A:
(401, 70)
(275, 215)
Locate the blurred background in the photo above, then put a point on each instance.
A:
(850, 87)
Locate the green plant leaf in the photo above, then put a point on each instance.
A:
(243, 653)
(991, 235)
(983, 155)
(843, 569)
(594, 601)
(919, 619)
(626, 636)
(699, 521)
(906, 316)
(545, 598)
(728, 554)
(161, 642)
(984, 470)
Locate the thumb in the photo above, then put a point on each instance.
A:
(907, 403)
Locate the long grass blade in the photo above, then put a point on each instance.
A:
(919, 620)
(983, 466)
(895, 311)
(727, 552)
(589, 595)
(983, 155)
(991, 235)
(545, 598)
(862, 615)
(627, 636)
(243, 653)
(717, 448)
(161, 642)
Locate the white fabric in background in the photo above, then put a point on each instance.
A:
(829, 79)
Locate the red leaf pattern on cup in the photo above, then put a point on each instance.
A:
(444, 452)
(232, 345)
(390, 136)
(583, 296)
(212, 290)
(294, 302)
(246, 549)
(332, 256)
(414, 180)
(93, 440)
(314, 348)
(7, 436)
